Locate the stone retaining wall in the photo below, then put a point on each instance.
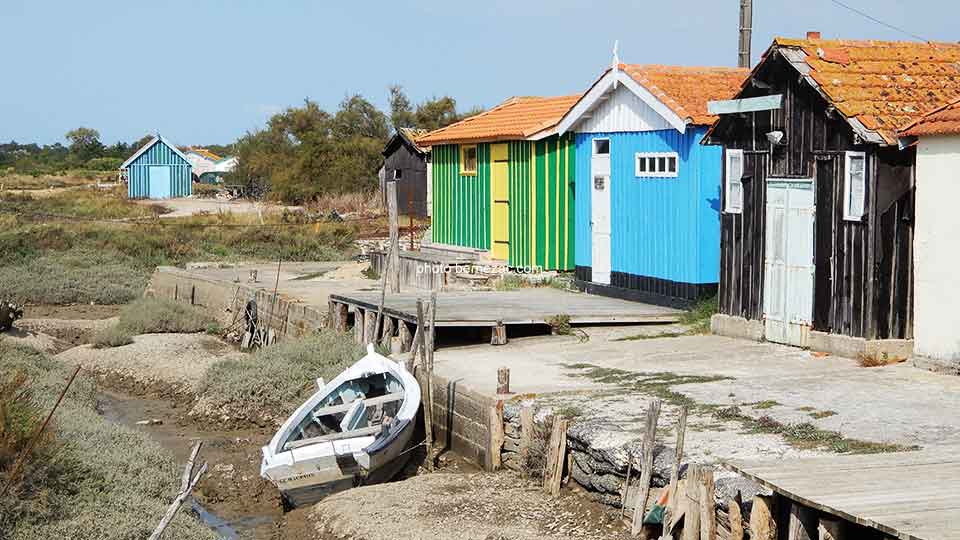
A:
(224, 300)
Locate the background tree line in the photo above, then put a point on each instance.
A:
(305, 152)
(302, 153)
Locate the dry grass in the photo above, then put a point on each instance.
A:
(877, 360)
(360, 203)
(154, 316)
(47, 181)
(95, 479)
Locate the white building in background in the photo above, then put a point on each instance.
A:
(936, 241)
(208, 168)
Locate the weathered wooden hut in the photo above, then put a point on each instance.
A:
(503, 183)
(406, 163)
(935, 255)
(818, 207)
(647, 193)
(158, 170)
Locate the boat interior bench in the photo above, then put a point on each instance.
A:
(354, 407)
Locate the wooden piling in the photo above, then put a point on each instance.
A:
(394, 254)
(556, 457)
(386, 335)
(369, 327)
(672, 506)
(503, 380)
(358, 325)
(763, 526)
(340, 316)
(498, 334)
(802, 524)
(736, 519)
(406, 337)
(691, 503)
(526, 432)
(831, 529)
(708, 507)
(646, 474)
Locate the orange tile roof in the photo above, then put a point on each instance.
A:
(204, 152)
(515, 118)
(885, 85)
(942, 121)
(686, 90)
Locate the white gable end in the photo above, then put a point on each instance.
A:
(623, 110)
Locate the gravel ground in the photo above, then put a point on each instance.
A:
(478, 506)
(41, 342)
(177, 360)
(72, 331)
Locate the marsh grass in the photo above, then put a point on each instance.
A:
(275, 380)
(93, 479)
(60, 261)
(154, 316)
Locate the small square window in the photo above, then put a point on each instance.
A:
(672, 164)
(657, 164)
(601, 146)
(468, 160)
(651, 164)
(397, 174)
(855, 186)
(641, 165)
(661, 164)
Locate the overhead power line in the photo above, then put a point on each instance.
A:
(878, 21)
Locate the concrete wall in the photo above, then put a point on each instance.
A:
(461, 420)
(936, 258)
(223, 299)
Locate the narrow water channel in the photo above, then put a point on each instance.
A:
(231, 499)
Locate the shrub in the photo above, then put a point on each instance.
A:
(153, 316)
(274, 381)
(104, 164)
(104, 481)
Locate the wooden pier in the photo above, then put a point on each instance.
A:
(496, 310)
(908, 495)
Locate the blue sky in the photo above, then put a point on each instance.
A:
(206, 71)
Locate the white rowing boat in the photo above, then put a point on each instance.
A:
(354, 430)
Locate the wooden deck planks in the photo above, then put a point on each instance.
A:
(911, 495)
(532, 306)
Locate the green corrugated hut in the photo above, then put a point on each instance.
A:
(503, 181)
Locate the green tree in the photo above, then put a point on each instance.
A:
(359, 117)
(436, 113)
(85, 143)
(401, 110)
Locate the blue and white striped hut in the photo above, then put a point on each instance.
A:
(158, 171)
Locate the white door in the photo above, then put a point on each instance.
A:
(600, 211)
(788, 264)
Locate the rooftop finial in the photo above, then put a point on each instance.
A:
(615, 63)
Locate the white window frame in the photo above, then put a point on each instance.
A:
(847, 186)
(733, 205)
(595, 145)
(655, 156)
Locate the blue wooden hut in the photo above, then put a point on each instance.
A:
(158, 170)
(647, 193)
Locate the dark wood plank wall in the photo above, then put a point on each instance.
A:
(412, 187)
(845, 302)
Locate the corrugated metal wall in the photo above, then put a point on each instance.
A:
(541, 201)
(138, 172)
(461, 204)
(666, 228)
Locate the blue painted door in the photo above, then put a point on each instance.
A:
(159, 182)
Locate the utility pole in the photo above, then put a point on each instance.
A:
(746, 30)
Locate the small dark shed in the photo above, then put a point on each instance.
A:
(406, 163)
(817, 224)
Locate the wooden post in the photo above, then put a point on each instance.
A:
(386, 335)
(672, 505)
(763, 526)
(394, 254)
(691, 504)
(736, 518)
(406, 338)
(803, 523)
(421, 346)
(430, 346)
(831, 529)
(383, 293)
(340, 315)
(708, 507)
(331, 321)
(526, 432)
(503, 381)
(626, 485)
(495, 426)
(649, 439)
(358, 325)
(186, 487)
(556, 456)
(498, 334)
(369, 327)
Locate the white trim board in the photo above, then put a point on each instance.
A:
(156, 138)
(606, 85)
